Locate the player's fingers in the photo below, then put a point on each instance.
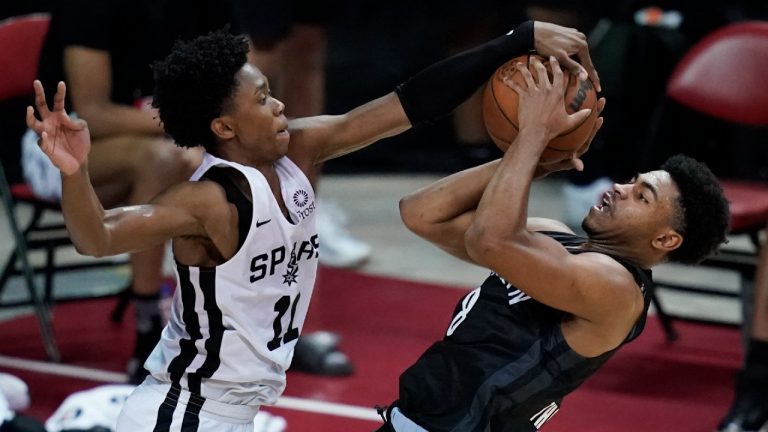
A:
(586, 60)
(541, 72)
(32, 122)
(573, 66)
(45, 144)
(577, 164)
(530, 83)
(517, 87)
(58, 98)
(40, 103)
(600, 106)
(592, 134)
(557, 72)
(580, 116)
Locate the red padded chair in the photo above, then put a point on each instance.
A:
(21, 39)
(723, 76)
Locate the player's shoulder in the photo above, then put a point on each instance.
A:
(193, 195)
(607, 281)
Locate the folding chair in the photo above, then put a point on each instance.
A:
(723, 77)
(20, 41)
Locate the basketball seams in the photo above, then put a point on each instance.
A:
(498, 106)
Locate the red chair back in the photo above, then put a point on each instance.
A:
(724, 74)
(21, 39)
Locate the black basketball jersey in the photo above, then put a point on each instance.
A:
(504, 365)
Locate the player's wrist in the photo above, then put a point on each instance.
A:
(537, 135)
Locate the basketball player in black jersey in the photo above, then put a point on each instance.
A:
(556, 306)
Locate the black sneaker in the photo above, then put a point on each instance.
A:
(145, 343)
(749, 411)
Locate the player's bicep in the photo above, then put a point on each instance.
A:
(175, 213)
(543, 269)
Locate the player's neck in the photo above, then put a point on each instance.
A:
(623, 250)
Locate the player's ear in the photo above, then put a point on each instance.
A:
(222, 128)
(667, 241)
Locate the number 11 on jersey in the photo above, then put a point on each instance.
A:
(291, 333)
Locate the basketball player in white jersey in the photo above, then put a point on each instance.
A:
(243, 227)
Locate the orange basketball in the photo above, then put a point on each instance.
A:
(500, 109)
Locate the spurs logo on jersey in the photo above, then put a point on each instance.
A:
(291, 273)
(545, 414)
(514, 295)
(266, 264)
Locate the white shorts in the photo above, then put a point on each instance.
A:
(157, 406)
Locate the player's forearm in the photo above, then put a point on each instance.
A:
(503, 209)
(83, 214)
(448, 197)
(438, 89)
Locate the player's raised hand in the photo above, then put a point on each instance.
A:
(562, 43)
(575, 162)
(540, 100)
(64, 140)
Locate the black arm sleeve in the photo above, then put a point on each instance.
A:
(437, 90)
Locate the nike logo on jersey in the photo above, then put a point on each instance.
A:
(260, 223)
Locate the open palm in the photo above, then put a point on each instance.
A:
(64, 140)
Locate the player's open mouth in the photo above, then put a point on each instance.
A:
(283, 132)
(606, 203)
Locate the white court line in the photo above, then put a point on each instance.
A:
(92, 374)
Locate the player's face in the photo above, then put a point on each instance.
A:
(639, 209)
(258, 119)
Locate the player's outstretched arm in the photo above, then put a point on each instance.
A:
(432, 93)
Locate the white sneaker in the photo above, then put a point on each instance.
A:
(579, 198)
(337, 246)
(15, 392)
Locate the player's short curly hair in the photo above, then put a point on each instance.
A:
(703, 215)
(194, 84)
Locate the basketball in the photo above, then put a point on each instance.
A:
(500, 109)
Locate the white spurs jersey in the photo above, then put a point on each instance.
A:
(233, 327)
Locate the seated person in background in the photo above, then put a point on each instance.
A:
(556, 306)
